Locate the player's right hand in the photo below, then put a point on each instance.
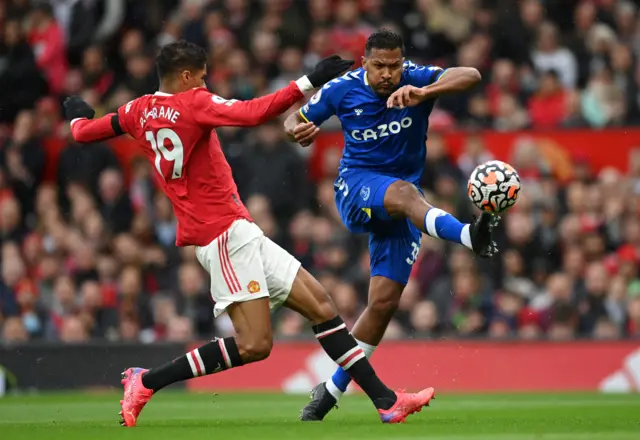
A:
(76, 107)
(328, 69)
(407, 96)
(304, 133)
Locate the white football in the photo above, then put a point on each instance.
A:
(494, 186)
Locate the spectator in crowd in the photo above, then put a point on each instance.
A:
(83, 164)
(140, 79)
(548, 106)
(96, 75)
(277, 172)
(194, 299)
(21, 82)
(349, 33)
(116, 205)
(48, 42)
(549, 54)
(13, 332)
(23, 161)
(13, 271)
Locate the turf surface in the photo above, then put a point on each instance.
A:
(177, 416)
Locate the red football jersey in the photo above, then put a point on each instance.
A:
(178, 137)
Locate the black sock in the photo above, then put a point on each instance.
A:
(217, 355)
(345, 351)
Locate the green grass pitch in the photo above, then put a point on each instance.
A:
(177, 416)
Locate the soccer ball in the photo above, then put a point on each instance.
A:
(494, 186)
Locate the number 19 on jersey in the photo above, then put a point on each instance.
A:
(175, 155)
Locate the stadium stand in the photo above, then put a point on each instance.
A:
(88, 241)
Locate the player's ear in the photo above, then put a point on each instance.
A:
(185, 77)
(364, 62)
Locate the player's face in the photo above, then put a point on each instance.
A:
(191, 79)
(384, 70)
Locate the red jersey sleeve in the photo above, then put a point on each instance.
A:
(93, 130)
(213, 111)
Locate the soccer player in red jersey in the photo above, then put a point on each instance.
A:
(249, 273)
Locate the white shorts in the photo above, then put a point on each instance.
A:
(245, 265)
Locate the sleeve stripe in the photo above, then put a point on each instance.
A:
(303, 116)
(441, 74)
(73, 121)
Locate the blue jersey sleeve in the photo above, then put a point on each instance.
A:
(421, 76)
(321, 106)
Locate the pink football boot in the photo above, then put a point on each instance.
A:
(407, 404)
(136, 396)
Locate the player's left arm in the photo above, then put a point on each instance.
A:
(221, 112)
(215, 111)
(434, 83)
(453, 80)
(86, 129)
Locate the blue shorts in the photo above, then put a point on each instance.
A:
(393, 243)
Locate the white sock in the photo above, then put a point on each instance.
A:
(332, 388)
(465, 237)
(367, 348)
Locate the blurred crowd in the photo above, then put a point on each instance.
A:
(90, 252)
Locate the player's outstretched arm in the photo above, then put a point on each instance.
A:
(86, 129)
(94, 130)
(452, 80)
(257, 111)
(220, 112)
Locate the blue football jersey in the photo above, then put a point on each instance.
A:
(376, 138)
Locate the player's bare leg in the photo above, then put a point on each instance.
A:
(403, 199)
(252, 343)
(383, 301)
(310, 299)
(252, 324)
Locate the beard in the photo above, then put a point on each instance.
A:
(384, 90)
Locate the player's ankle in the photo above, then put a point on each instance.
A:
(366, 347)
(385, 403)
(143, 381)
(334, 390)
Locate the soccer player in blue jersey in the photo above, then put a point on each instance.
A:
(384, 109)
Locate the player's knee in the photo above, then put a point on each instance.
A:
(400, 197)
(323, 309)
(310, 299)
(256, 349)
(326, 308)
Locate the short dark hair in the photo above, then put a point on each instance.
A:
(384, 39)
(179, 56)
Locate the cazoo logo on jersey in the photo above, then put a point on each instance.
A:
(382, 130)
